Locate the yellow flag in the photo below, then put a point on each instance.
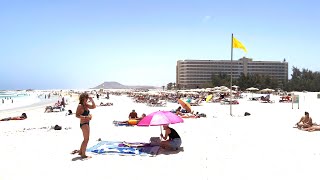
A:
(238, 44)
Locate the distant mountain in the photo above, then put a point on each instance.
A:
(116, 85)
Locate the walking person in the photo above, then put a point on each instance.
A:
(85, 117)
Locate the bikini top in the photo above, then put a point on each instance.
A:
(86, 112)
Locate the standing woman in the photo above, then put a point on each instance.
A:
(85, 117)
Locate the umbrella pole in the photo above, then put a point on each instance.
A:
(160, 132)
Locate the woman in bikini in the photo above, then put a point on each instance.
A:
(85, 117)
(22, 117)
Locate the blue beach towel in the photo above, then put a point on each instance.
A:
(121, 148)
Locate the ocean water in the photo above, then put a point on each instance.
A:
(12, 95)
(13, 100)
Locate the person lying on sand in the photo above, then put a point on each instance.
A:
(134, 121)
(190, 115)
(106, 104)
(22, 117)
(305, 121)
(142, 116)
(312, 128)
(51, 108)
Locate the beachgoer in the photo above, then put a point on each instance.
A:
(305, 121)
(174, 140)
(85, 117)
(131, 121)
(22, 117)
(178, 111)
(106, 104)
(63, 103)
(133, 115)
(57, 104)
(312, 128)
(142, 116)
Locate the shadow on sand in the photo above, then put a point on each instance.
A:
(79, 158)
(169, 152)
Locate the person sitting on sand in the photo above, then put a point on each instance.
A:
(57, 104)
(133, 115)
(178, 111)
(189, 115)
(174, 140)
(22, 117)
(305, 121)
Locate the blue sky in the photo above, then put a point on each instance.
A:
(80, 44)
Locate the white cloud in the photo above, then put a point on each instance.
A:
(206, 19)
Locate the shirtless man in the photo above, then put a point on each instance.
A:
(305, 121)
(133, 115)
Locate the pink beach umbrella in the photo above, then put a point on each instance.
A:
(159, 118)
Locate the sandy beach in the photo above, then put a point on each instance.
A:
(261, 146)
(186, 62)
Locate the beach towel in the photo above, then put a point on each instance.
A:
(124, 148)
(191, 116)
(155, 141)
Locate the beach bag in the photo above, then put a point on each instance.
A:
(57, 127)
(155, 141)
(69, 112)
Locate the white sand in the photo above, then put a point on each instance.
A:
(261, 146)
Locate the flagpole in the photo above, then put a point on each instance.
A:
(231, 75)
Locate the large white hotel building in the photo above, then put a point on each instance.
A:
(196, 73)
